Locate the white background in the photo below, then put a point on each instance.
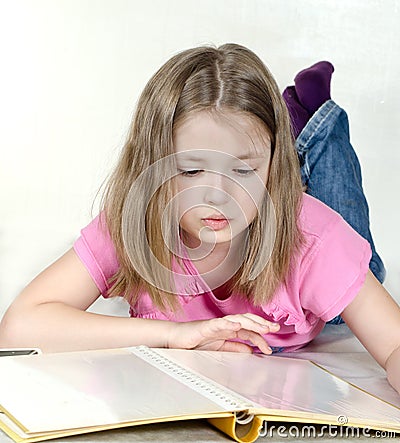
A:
(71, 72)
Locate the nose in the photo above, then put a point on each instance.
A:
(216, 193)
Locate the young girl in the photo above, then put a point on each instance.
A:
(206, 232)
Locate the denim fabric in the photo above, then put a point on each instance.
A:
(331, 171)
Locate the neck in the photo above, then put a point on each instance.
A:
(218, 264)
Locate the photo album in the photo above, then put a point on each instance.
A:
(49, 396)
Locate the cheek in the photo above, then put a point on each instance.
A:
(184, 220)
(247, 207)
(251, 194)
(188, 198)
(189, 222)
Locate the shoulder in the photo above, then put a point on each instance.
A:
(97, 251)
(332, 263)
(326, 234)
(323, 228)
(316, 219)
(97, 234)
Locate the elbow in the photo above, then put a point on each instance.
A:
(11, 330)
(392, 367)
(5, 332)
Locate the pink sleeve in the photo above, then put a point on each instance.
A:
(336, 271)
(96, 250)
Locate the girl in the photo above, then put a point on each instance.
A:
(206, 232)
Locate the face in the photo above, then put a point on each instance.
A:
(223, 163)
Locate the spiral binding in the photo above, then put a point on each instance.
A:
(215, 392)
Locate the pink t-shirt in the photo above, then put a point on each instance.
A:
(325, 277)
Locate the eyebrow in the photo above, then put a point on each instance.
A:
(246, 156)
(249, 156)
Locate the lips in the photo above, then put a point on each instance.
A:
(216, 222)
(216, 217)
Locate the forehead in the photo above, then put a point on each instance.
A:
(235, 134)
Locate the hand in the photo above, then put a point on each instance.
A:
(216, 334)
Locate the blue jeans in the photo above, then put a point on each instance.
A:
(331, 171)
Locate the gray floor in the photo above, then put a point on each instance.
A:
(196, 430)
(202, 432)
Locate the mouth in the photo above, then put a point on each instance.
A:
(215, 222)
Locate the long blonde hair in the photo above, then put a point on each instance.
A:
(230, 77)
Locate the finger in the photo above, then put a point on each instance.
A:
(256, 339)
(252, 319)
(273, 326)
(219, 325)
(260, 325)
(235, 346)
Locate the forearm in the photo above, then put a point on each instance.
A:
(55, 327)
(393, 369)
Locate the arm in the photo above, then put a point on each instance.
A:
(374, 317)
(50, 313)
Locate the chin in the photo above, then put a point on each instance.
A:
(221, 237)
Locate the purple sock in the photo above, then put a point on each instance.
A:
(313, 85)
(298, 115)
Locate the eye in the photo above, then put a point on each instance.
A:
(244, 172)
(190, 172)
